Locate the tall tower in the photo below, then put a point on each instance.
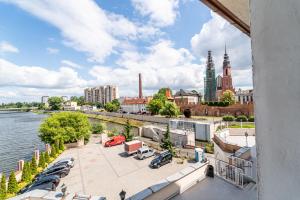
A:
(210, 80)
(227, 79)
(140, 86)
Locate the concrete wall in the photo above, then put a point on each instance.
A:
(275, 30)
(241, 131)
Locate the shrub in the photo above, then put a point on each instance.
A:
(166, 141)
(240, 118)
(61, 145)
(47, 158)
(187, 113)
(228, 118)
(42, 160)
(209, 148)
(170, 109)
(3, 187)
(12, 186)
(251, 118)
(26, 173)
(127, 131)
(98, 128)
(33, 166)
(53, 151)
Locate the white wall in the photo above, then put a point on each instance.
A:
(275, 33)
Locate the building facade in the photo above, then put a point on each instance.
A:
(244, 96)
(44, 99)
(101, 94)
(210, 80)
(135, 105)
(187, 97)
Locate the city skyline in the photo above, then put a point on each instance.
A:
(49, 58)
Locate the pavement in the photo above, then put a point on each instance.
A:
(106, 171)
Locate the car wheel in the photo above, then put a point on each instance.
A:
(158, 166)
(62, 175)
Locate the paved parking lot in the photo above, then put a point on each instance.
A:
(106, 171)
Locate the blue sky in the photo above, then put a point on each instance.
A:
(58, 47)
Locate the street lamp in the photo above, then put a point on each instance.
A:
(122, 195)
(246, 135)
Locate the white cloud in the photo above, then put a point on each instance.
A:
(162, 66)
(161, 13)
(69, 63)
(213, 35)
(7, 47)
(52, 50)
(85, 26)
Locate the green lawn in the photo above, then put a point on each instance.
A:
(245, 125)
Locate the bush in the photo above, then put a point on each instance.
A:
(240, 118)
(47, 158)
(228, 118)
(53, 151)
(98, 128)
(209, 148)
(251, 118)
(187, 113)
(26, 173)
(61, 145)
(3, 187)
(33, 166)
(12, 186)
(170, 109)
(127, 131)
(42, 161)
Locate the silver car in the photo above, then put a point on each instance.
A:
(145, 152)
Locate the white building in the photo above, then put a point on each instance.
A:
(135, 105)
(101, 94)
(64, 98)
(244, 96)
(187, 97)
(70, 106)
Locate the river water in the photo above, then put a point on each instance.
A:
(18, 137)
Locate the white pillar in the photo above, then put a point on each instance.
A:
(275, 29)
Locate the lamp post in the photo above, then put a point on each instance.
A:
(246, 135)
(122, 195)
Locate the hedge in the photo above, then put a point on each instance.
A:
(251, 118)
(242, 118)
(228, 118)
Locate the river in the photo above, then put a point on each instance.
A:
(18, 137)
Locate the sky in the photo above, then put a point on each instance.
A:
(59, 47)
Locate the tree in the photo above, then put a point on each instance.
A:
(98, 128)
(12, 186)
(33, 165)
(3, 187)
(166, 141)
(19, 105)
(110, 107)
(127, 131)
(79, 100)
(169, 109)
(116, 102)
(55, 103)
(41, 106)
(61, 145)
(53, 151)
(56, 145)
(154, 106)
(42, 163)
(228, 97)
(47, 158)
(187, 113)
(66, 126)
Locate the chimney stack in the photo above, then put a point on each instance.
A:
(140, 86)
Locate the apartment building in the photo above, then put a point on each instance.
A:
(101, 94)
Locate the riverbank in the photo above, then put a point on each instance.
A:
(118, 120)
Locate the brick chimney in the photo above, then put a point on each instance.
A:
(140, 86)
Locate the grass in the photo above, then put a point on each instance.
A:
(245, 125)
(117, 120)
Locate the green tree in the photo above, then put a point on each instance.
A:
(53, 151)
(12, 186)
(42, 163)
(41, 106)
(98, 128)
(47, 158)
(170, 109)
(116, 102)
(154, 106)
(55, 103)
(33, 165)
(79, 100)
(127, 131)
(228, 97)
(66, 126)
(110, 107)
(3, 187)
(19, 105)
(166, 141)
(61, 145)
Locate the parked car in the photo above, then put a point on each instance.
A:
(116, 140)
(162, 159)
(61, 171)
(44, 183)
(132, 147)
(64, 161)
(145, 152)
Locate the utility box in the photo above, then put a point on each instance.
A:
(199, 154)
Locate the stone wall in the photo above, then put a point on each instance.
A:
(205, 110)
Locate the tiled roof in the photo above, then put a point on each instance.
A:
(132, 101)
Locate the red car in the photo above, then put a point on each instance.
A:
(116, 140)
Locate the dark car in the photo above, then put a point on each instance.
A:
(64, 161)
(61, 171)
(44, 183)
(162, 159)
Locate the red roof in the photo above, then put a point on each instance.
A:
(132, 101)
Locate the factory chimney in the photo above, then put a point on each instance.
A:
(140, 86)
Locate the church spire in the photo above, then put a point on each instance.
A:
(210, 62)
(226, 62)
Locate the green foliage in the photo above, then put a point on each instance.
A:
(56, 145)
(166, 141)
(79, 100)
(228, 118)
(220, 104)
(42, 163)
(61, 145)
(209, 148)
(127, 131)
(12, 186)
(3, 187)
(113, 106)
(42, 106)
(47, 157)
(55, 103)
(241, 118)
(53, 151)
(170, 109)
(98, 128)
(228, 97)
(33, 165)
(66, 126)
(154, 106)
(251, 118)
(26, 173)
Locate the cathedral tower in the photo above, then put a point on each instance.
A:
(227, 79)
(210, 80)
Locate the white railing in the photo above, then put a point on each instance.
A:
(243, 164)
